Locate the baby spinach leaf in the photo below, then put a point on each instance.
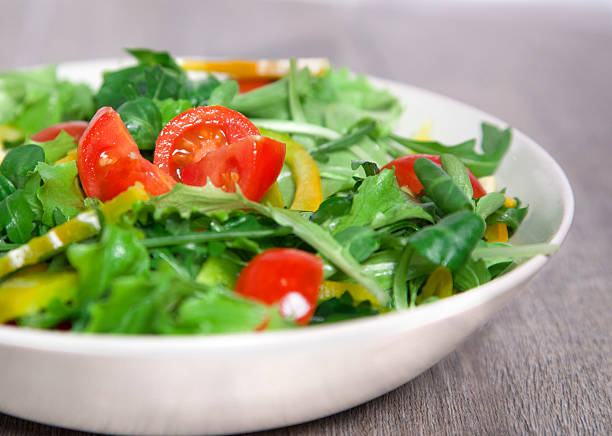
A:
(451, 240)
(511, 216)
(495, 144)
(6, 187)
(471, 274)
(489, 203)
(457, 171)
(150, 57)
(361, 242)
(60, 191)
(16, 217)
(20, 161)
(440, 187)
(198, 92)
(143, 120)
(340, 309)
(224, 93)
(331, 210)
(380, 202)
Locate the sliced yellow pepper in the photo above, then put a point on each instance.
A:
(330, 289)
(273, 197)
(438, 284)
(70, 156)
(308, 191)
(497, 232)
(424, 132)
(510, 202)
(82, 226)
(255, 68)
(23, 295)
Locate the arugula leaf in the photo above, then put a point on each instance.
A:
(60, 191)
(143, 120)
(451, 240)
(440, 187)
(495, 144)
(206, 199)
(117, 253)
(380, 202)
(170, 108)
(33, 99)
(216, 311)
(137, 302)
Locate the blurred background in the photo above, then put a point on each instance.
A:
(543, 66)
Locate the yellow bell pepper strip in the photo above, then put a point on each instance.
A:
(70, 156)
(308, 191)
(82, 226)
(27, 294)
(255, 68)
(510, 202)
(330, 289)
(439, 284)
(497, 232)
(273, 197)
(424, 132)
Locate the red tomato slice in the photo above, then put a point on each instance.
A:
(109, 161)
(285, 276)
(188, 137)
(253, 163)
(404, 172)
(246, 85)
(73, 128)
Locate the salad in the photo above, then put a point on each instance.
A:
(271, 196)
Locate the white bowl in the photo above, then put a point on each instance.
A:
(247, 382)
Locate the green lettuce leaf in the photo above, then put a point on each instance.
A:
(60, 191)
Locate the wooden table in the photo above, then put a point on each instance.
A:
(544, 363)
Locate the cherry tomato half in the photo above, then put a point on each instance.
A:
(73, 128)
(189, 136)
(285, 276)
(404, 172)
(253, 163)
(246, 85)
(109, 161)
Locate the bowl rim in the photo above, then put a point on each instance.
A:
(349, 331)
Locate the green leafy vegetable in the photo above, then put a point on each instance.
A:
(143, 120)
(451, 240)
(495, 144)
(379, 202)
(440, 187)
(60, 191)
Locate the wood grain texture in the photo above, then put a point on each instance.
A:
(543, 365)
